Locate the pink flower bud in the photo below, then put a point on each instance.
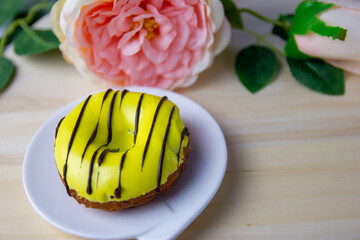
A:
(342, 54)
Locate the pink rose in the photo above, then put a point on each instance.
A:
(159, 43)
(341, 54)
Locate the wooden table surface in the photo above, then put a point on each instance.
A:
(293, 155)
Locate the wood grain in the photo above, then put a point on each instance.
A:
(294, 155)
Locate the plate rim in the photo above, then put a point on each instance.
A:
(149, 90)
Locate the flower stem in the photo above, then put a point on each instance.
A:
(41, 6)
(261, 17)
(267, 43)
(9, 30)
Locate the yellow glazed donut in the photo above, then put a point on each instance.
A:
(120, 149)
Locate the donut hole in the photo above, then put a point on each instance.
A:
(123, 140)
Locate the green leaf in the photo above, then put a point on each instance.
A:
(39, 14)
(6, 72)
(256, 67)
(22, 14)
(8, 9)
(281, 31)
(35, 41)
(318, 75)
(232, 14)
(306, 20)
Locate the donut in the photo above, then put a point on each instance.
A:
(120, 149)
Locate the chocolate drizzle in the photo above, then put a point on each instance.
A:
(111, 108)
(57, 130)
(58, 126)
(137, 117)
(103, 154)
(97, 180)
(117, 191)
(71, 142)
(93, 135)
(122, 97)
(105, 95)
(159, 175)
(88, 188)
(185, 132)
(110, 117)
(91, 139)
(151, 129)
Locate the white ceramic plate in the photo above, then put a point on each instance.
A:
(163, 218)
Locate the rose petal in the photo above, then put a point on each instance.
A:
(133, 45)
(222, 37)
(350, 66)
(152, 54)
(204, 62)
(216, 13)
(189, 81)
(180, 42)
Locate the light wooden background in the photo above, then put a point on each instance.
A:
(294, 155)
